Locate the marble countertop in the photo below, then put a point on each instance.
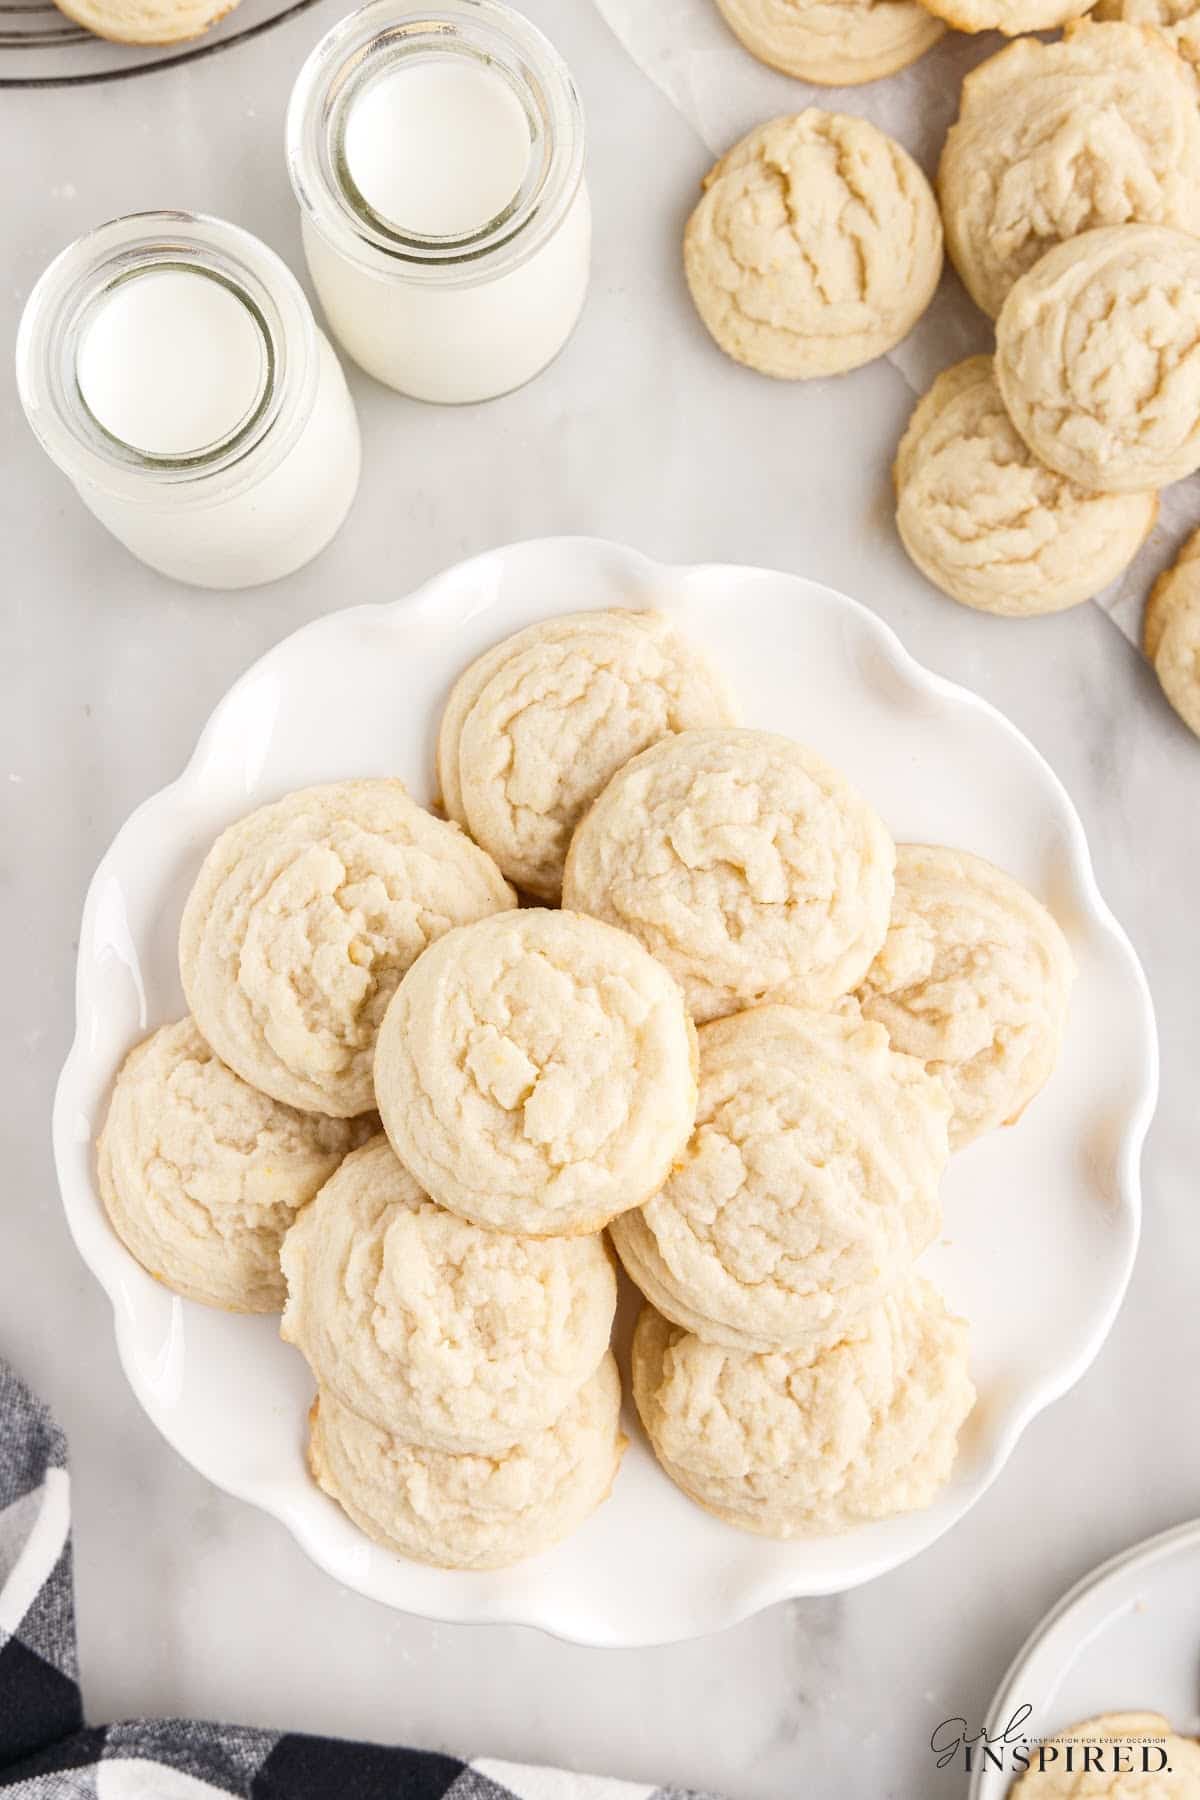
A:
(191, 1602)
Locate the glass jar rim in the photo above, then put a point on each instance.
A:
(62, 301)
(377, 36)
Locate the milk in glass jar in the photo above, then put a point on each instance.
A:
(171, 366)
(437, 158)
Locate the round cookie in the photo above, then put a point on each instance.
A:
(146, 21)
(808, 1186)
(973, 980)
(816, 247)
(434, 1329)
(1133, 1733)
(537, 1072)
(745, 864)
(472, 1512)
(1101, 128)
(837, 43)
(988, 523)
(201, 1174)
(1171, 633)
(535, 728)
(1096, 357)
(302, 920)
(800, 1444)
(1176, 20)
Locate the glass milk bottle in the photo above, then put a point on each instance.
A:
(437, 158)
(171, 366)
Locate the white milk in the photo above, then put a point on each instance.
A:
(171, 366)
(437, 146)
(171, 362)
(439, 171)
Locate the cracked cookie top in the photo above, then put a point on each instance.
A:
(537, 1072)
(798, 1444)
(1100, 128)
(973, 980)
(808, 1186)
(433, 1328)
(471, 1511)
(816, 247)
(1098, 357)
(744, 863)
(302, 920)
(991, 525)
(536, 726)
(201, 1174)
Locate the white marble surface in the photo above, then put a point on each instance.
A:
(192, 1602)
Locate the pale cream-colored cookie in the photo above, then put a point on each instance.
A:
(801, 1444)
(146, 21)
(1012, 17)
(201, 1174)
(1176, 20)
(809, 1185)
(838, 43)
(537, 725)
(1096, 357)
(1139, 1757)
(439, 1331)
(744, 863)
(472, 1512)
(301, 922)
(1171, 633)
(1101, 128)
(537, 1072)
(973, 980)
(816, 248)
(987, 522)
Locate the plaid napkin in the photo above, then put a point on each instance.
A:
(48, 1753)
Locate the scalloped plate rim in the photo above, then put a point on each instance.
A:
(769, 1589)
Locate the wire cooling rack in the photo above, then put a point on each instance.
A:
(41, 47)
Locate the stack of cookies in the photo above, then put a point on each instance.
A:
(1027, 481)
(734, 1027)
(1068, 195)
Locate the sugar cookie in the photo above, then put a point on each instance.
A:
(1012, 17)
(1096, 357)
(146, 21)
(816, 248)
(745, 864)
(1171, 633)
(1134, 1778)
(537, 1072)
(797, 1444)
(439, 1331)
(991, 525)
(472, 1512)
(808, 1186)
(1101, 128)
(973, 980)
(1176, 20)
(537, 725)
(301, 922)
(201, 1175)
(838, 43)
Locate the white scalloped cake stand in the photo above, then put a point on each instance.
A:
(1041, 1220)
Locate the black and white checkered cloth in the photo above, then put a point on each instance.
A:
(48, 1753)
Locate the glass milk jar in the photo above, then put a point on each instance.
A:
(171, 366)
(437, 157)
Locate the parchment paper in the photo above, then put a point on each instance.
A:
(687, 50)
